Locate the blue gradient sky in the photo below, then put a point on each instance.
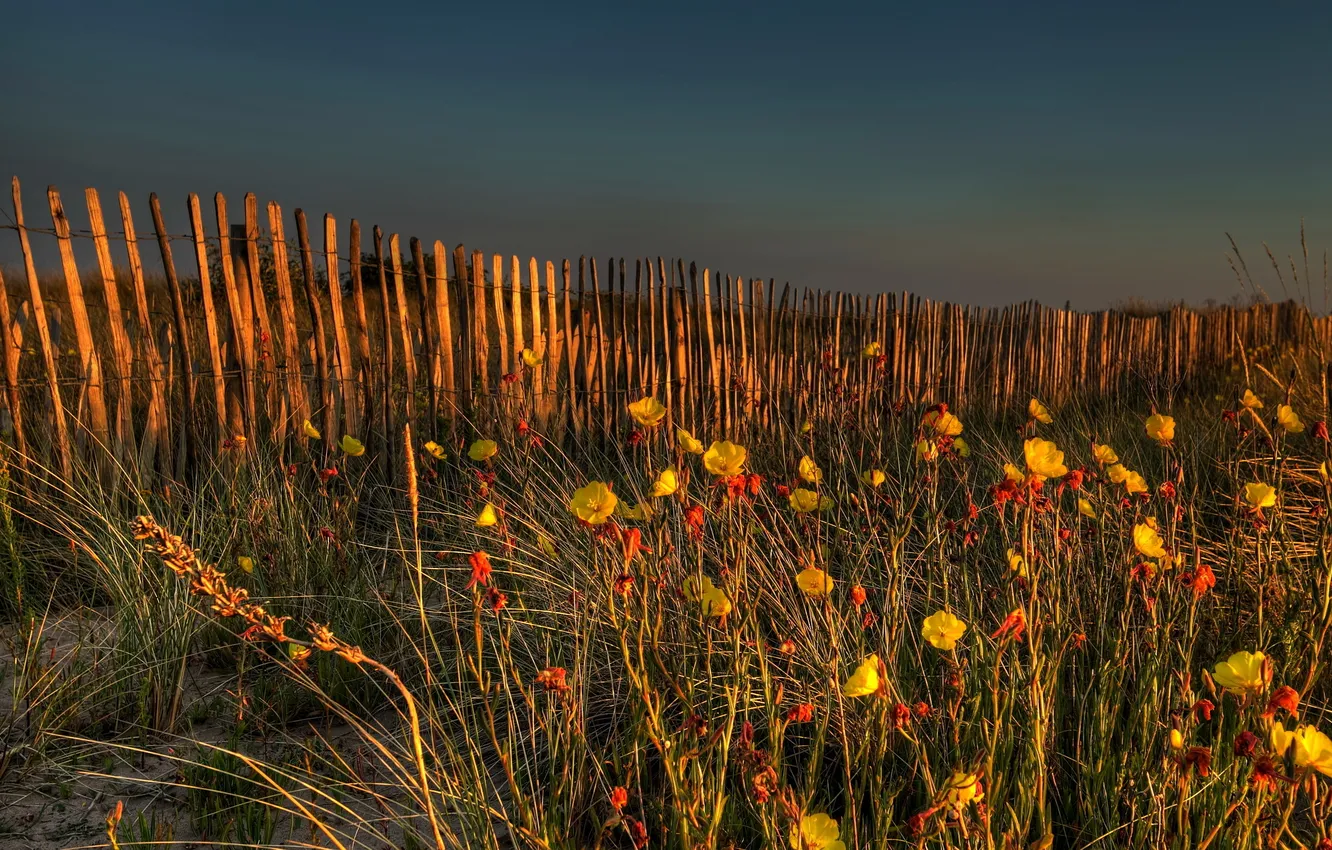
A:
(1059, 151)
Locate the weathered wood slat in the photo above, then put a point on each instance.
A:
(90, 364)
(39, 318)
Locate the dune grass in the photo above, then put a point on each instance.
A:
(874, 634)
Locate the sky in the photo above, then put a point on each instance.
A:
(977, 151)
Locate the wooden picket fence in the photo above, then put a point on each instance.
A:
(373, 343)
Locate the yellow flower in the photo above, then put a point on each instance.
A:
(594, 503)
(816, 832)
(942, 630)
(873, 477)
(944, 424)
(874, 349)
(803, 501)
(865, 680)
(927, 450)
(711, 598)
(1161, 428)
(547, 548)
(647, 412)
(724, 458)
(961, 447)
(806, 427)
(1242, 672)
(1250, 400)
(716, 603)
(1135, 483)
(488, 516)
(1259, 495)
(1012, 473)
(640, 511)
(809, 470)
(1044, 458)
(964, 788)
(246, 563)
(1147, 541)
(352, 446)
(1176, 740)
(1289, 419)
(482, 450)
(1104, 454)
(1085, 508)
(1039, 412)
(531, 359)
(687, 442)
(311, 431)
(1313, 749)
(1017, 563)
(436, 450)
(666, 484)
(1132, 481)
(1281, 739)
(814, 582)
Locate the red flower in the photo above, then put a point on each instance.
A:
(868, 619)
(326, 474)
(1079, 640)
(1167, 490)
(802, 713)
(922, 709)
(480, 562)
(523, 428)
(858, 595)
(735, 486)
(619, 797)
(783, 491)
(694, 519)
(633, 544)
(916, 823)
(1074, 478)
(1245, 743)
(496, 600)
(901, 715)
(787, 647)
(1202, 709)
(552, 679)
(755, 483)
(1200, 758)
(1319, 431)
(510, 378)
(638, 832)
(624, 583)
(635, 438)
(1283, 697)
(1265, 776)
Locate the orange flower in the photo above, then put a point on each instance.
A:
(619, 797)
(552, 679)
(1283, 697)
(1201, 580)
(858, 595)
(480, 562)
(802, 713)
(1014, 625)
